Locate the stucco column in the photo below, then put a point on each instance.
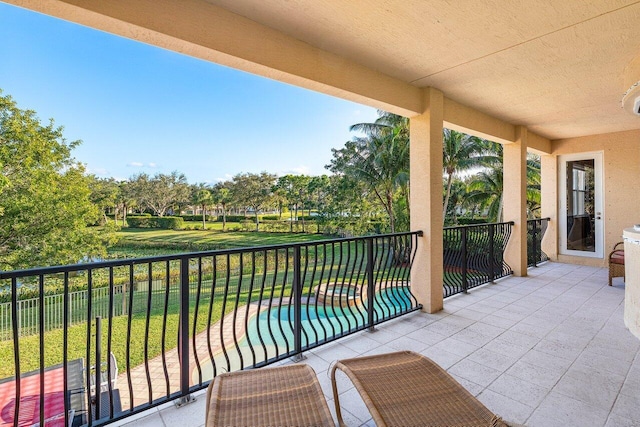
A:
(515, 201)
(426, 201)
(549, 203)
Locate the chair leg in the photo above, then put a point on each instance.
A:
(610, 277)
(336, 400)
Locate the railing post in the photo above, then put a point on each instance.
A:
(370, 286)
(124, 298)
(492, 254)
(534, 242)
(98, 380)
(297, 305)
(183, 333)
(465, 285)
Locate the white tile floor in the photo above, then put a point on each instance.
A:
(547, 350)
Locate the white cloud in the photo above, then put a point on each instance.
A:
(97, 171)
(227, 177)
(300, 170)
(142, 165)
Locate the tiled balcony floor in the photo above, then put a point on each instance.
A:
(547, 350)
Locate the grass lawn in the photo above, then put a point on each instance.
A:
(77, 334)
(147, 242)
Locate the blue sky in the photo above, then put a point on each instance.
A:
(138, 108)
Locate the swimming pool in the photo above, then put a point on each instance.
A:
(270, 333)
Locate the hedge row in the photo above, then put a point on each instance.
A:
(198, 217)
(234, 218)
(165, 222)
(288, 218)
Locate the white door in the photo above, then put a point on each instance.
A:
(581, 215)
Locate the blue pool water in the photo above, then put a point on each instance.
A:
(275, 326)
(270, 333)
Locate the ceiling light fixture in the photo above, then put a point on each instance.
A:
(631, 98)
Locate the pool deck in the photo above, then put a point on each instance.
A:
(547, 350)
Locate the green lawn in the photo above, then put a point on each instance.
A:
(145, 242)
(148, 242)
(235, 239)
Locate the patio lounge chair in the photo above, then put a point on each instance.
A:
(105, 377)
(616, 262)
(407, 389)
(283, 396)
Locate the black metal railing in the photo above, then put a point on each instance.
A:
(474, 255)
(535, 232)
(172, 323)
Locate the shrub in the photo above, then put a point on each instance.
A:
(198, 217)
(247, 225)
(270, 218)
(142, 221)
(471, 221)
(170, 223)
(233, 218)
(148, 221)
(275, 226)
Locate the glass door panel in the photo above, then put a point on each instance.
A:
(581, 206)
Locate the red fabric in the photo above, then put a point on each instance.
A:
(617, 257)
(30, 400)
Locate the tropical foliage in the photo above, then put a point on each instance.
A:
(47, 200)
(45, 195)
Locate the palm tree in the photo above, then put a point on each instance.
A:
(533, 186)
(460, 153)
(457, 200)
(386, 123)
(222, 197)
(380, 160)
(486, 187)
(201, 196)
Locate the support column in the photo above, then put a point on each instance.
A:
(426, 201)
(549, 203)
(515, 201)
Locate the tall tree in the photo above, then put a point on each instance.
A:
(381, 161)
(485, 189)
(487, 186)
(222, 196)
(294, 189)
(126, 199)
(104, 194)
(138, 188)
(44, 195)
(533, 186)
(201, 196)
(165, 191)
(253, 191)
(460, 152)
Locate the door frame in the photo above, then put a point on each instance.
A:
(597, 156)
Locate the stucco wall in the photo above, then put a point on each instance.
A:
(621, 164)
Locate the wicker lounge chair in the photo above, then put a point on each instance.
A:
(616, 262)
(407, 389)
(283, 396)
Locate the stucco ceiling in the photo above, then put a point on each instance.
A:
(555, 66)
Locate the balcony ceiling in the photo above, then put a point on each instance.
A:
(555, 66)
